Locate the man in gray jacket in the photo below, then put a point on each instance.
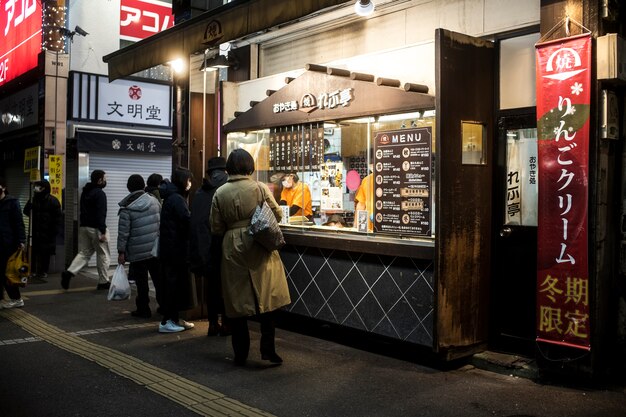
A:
(137, 240)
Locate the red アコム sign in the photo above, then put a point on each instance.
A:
(563, 97)
(20, 31)
(142, 18)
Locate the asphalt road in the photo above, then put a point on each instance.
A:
(73, 353)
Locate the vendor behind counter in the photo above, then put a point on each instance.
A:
(297, 196)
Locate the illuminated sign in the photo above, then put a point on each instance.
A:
(124, 101)
(20, 28)
(140, 19)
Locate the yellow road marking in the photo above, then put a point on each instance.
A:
(54, 292)
(197, 398)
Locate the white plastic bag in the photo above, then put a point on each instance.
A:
(120, 288)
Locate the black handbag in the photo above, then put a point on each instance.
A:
(264, 228)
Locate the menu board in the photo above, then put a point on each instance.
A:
(402, 181)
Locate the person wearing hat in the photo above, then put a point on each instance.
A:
(137, 235)
(45, 214)
(205, 249)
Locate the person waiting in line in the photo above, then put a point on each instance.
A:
(152, 186)
(12, 237)
(206, 249)
(138, 232)
(93, 235)
(46, 216)
(253, 278)
(297, 196)
(174, 250)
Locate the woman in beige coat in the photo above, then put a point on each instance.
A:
(253, 279)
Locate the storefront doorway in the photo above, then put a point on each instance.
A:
(513, 314)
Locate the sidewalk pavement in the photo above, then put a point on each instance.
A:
(75, 353)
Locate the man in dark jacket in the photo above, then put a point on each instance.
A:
(45, 213)
(12, 237)
(93, 235)
(206, 250)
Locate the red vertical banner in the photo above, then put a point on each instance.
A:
(563, 98)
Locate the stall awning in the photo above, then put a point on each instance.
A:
(223, 24)
(317, 95)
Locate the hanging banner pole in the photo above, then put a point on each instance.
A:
(563, 100)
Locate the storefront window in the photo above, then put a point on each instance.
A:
(371, 176)
(473, 147)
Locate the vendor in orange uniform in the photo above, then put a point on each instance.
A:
(297, 196)
(364, 199)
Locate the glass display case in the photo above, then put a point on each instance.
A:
(368, 175)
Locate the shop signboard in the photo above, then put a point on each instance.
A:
(134, 102)
(563, 99)
(55, 173)
(402, 181)
(140, 19)
(20, 27)
(126, 143)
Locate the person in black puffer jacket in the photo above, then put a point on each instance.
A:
(206, 250)
(46, 216)
(174, 250)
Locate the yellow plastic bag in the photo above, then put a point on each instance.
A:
(18, 268)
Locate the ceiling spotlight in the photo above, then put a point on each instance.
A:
(364, 7)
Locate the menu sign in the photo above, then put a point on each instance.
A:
(296, 148)
(402, 181)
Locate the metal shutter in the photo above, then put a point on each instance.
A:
(18, 183)
(118, 168)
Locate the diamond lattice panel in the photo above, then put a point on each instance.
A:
(386, 295)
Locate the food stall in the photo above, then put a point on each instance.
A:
(351, 158)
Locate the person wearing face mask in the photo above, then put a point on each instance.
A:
(174, 250)
(297, 196)
(12, 237)
(93, 235)
(45, 213)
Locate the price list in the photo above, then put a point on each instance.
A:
(402, 181)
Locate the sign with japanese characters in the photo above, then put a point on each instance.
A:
(20, 31)
(55, 172)
(134, 102)
(31, 158)
(563, 97)
(402, 181)
(103, 141)
(140, 19)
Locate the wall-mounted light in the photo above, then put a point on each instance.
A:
(177, 65)
(364, 7)
(219, 62)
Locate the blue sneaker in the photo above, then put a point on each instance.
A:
(170, 327)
